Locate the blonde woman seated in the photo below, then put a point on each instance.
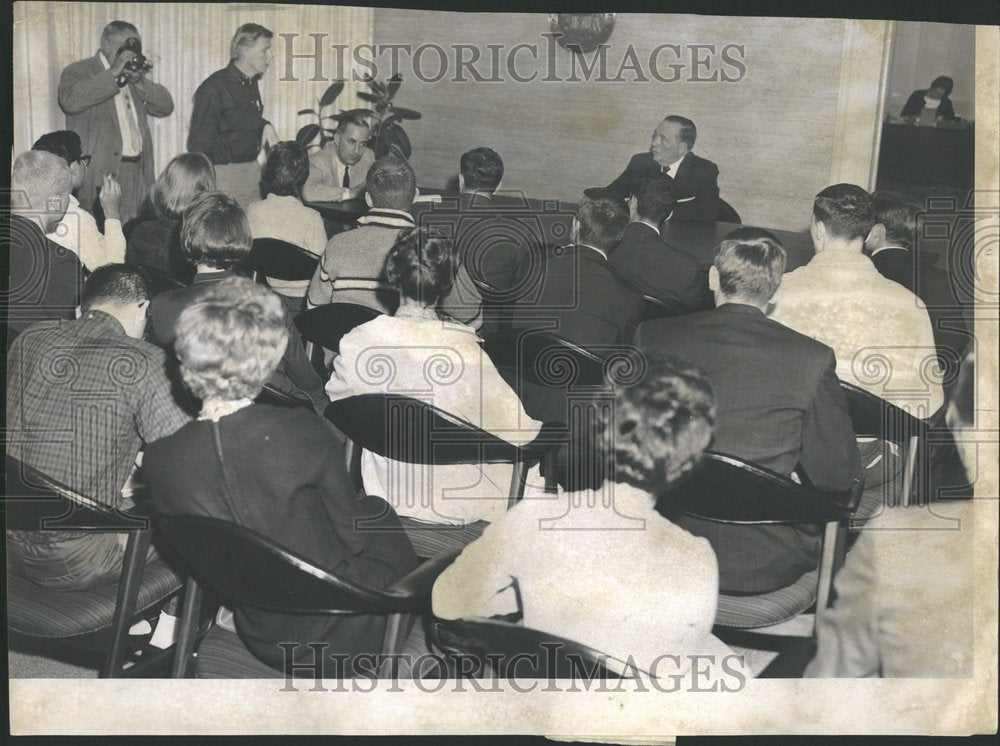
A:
(156, 242)
(275, 470)
(417, 354)
(601, 566)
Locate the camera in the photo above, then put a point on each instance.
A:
(138, 63)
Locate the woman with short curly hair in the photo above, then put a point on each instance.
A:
(275, 470)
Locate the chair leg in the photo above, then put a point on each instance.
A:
(392, 642)
(190, 613)
(910, 470)
(133, 564)
(517, 479)
(826, 566)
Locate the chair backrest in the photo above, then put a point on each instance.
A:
(250, 570)
(278, 398)
(726, 213)
(727, 489)
(657, 308)
(281, 260)
(36, 502)
(160, 280)
(525, 653)
(874, 417)
(415, 432)
(543, 358)
(326, 325)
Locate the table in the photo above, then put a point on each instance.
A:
(701, 239)
(939, 156)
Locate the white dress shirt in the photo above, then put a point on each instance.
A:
(125, 106)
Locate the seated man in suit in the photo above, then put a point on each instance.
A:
(581, 298)
(880, 330)
(652, 265)
(779, 405)
(215, 238)
(890, 244)
(670, 154)
(338, 171)
(352, 268)
(45, 280)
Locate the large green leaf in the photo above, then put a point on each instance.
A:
(307, 134)
(377, 86)
(353, 112)
(365, 96)
(331, 93)
(406, 113)
(308, 111)
(392, 138)
(394, 82)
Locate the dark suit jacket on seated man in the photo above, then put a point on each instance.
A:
(779, 405)
(670, 153)
(644, 260)
(581, 298)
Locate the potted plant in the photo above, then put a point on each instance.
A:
(387, 134)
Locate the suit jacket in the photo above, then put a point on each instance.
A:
(294, 375)
(950, 320)
(87, 96)
(580, 292)
(696, 177)
(779, 405)
(643, 259)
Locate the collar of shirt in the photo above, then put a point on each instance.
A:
(213, 275)
(387, 218)
(887, 248)
(675, 165)
(640, 221)
(100, 324)
(834, 257)
(236, 73)
(594, 248)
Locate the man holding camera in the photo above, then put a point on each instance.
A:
(107, 99)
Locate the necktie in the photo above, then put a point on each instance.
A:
(133, 127)
(347, 180)
(665, 170)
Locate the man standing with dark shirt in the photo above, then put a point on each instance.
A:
(45, 279)
(228, 122)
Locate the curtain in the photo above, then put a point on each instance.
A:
(186, 43)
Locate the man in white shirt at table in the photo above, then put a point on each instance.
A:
(338, 172)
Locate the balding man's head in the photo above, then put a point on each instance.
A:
(41, 183)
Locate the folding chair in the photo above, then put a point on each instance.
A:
(35, 502)
(247, 569)
(323, 327)
(161, 281)
(280, 260)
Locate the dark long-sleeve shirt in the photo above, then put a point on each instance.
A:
(228, 119)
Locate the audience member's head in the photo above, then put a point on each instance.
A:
(66, 145)
(421, 265)
(250, 49)
(601, 219)
(120, 291)
(895, 220)
(748, 266)
(230, 340)
(40, 183)
(351, 138)
(114, 36)
(655, 199)
(286, 170)
(941, 86)
(215, 233)
(672, 140)
(843, 214)
(391, 184)
(184, 178)
(481, 171)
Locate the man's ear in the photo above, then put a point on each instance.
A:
(368, 200)
(713, 278)
(461, 182)
(78, 311)
(875, 236)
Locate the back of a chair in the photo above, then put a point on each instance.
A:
(874, 417)
(415, 432)
(727, 489)
(524, 653)
(726, 213)
(542, 358)
(281, 260)
(326, 325)
(251, 570)
(278, 398)
(658, 308)
(160, 281)
(35, 502)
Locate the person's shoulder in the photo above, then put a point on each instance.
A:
(212, 81)
(86, 65)
(702, 164)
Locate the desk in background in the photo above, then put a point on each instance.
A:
(937, 156)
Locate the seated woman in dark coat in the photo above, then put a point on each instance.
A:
(155, 242)
(285, 475)
(934, 98)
